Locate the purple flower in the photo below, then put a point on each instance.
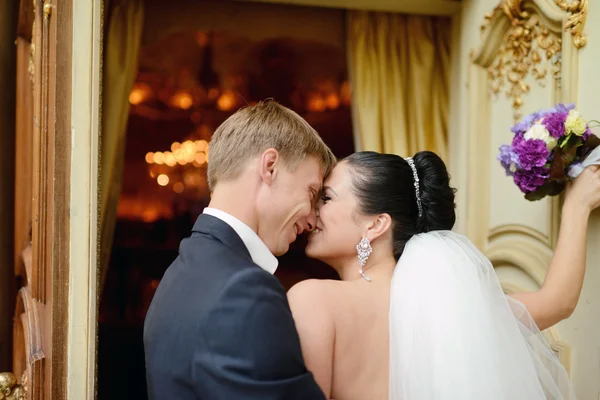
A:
(532, 153)
(528, 181)
(560, 108)
(525, 124)
(555, 123)
(586, 134)
(565, 108)
(517, 139)
(509, 159)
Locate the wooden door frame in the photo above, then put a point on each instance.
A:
(65, 192)
(51, 72)
(76, 107)
(47, 284)
(51, 187)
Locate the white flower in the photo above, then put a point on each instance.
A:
(575, 123)
(539, 131)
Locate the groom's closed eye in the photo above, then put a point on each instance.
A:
(314, 196)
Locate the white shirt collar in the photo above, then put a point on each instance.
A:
(260, 253)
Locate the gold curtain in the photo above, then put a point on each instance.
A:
(121, 52)
(400, 68)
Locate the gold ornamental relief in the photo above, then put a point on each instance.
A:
(578, 10)
(530, 48)
(9, 388)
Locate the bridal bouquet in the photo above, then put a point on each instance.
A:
(549, 148)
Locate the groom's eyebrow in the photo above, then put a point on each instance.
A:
(314, 196)
(327, 188)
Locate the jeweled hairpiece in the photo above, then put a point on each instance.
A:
(410, 162)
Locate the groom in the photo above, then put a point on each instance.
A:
(219, 326)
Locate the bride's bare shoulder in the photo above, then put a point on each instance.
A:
(316, 287)
(314, 309)
(314, 293)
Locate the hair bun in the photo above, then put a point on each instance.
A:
(435, 193)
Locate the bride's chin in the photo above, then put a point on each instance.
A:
(312, 249)
(309, 251)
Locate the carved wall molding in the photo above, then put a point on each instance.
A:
(511, 230)
(547, 239)
(521, 252)
(525, 38)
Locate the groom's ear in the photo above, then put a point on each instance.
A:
(379, 226)
(269, 164)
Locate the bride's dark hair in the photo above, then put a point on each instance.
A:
(384, 184)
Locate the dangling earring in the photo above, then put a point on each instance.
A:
(364, 250)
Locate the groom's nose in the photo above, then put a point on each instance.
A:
(311, 221)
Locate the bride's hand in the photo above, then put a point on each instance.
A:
(584, 192)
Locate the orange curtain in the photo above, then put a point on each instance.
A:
(400, 68)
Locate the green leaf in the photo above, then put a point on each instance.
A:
(551, 188)
(557, 188)
(565, 141)
(538, 194)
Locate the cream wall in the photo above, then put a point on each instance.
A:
(83, 202)
(584, 326)
(515, 234)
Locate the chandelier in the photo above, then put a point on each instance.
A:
(182, 168)
(198, 94)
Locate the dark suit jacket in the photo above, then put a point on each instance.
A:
(220, 327)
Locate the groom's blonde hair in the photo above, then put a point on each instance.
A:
(254, 129)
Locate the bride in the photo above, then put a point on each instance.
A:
(419, 313)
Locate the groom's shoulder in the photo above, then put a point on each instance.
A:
(251, 295)
(252, 275)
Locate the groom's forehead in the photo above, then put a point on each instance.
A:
(312, 172)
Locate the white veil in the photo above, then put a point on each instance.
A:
(454, 334)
